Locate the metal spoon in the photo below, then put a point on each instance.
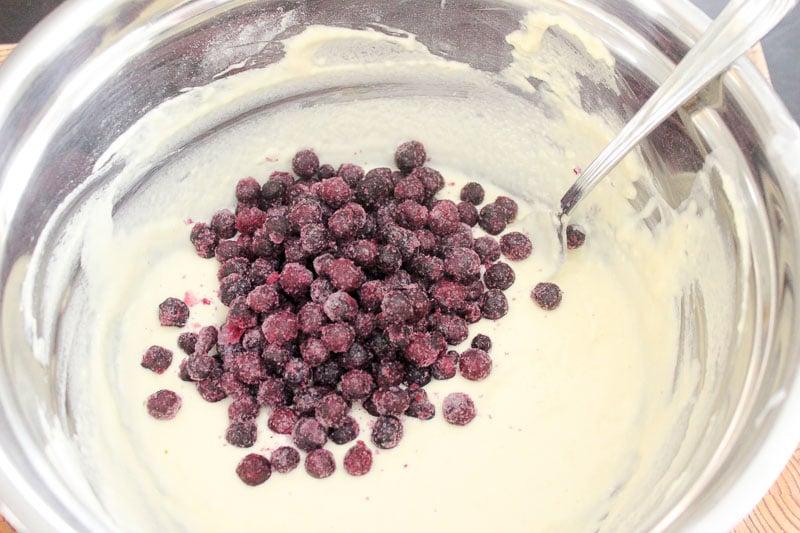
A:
(735, 31)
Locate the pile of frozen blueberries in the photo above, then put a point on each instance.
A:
(344, 288)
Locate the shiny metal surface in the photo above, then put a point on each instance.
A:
(737, 29)
(73, 87)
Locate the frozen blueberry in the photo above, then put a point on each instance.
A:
(240, 316)
(547, 295)
(370, 295)
(331, 411)
(475, 364)
(284, 459)
(254, 469)
(508, 206)
(311, 318)
(356, 384)
(410, 189)
(493, 304)
(389, 259)
(241, 434)
(396, 307)
(350, 173)
(424, 348)
(516, 246)
(499, 276)
(157, 359)
(345, 432)
(344, 223)
(276, 354)
(273, 191)
(356, 357)
(328, 373)
(448, 295)
(326, 171)
(249, 219)
(282, 420)
(375, 187)
(223, 222)
(482, 342)
(173, 312)
(391, 401)
(206, 340)
(362, 252)
(575, 236)
(427, 241)
(335, 192)
(430, 179)
(340, 306)
(305, 163)
(199, 367)
(272, 392)
(306, 400)
(461, 237)
(458, 408)
(235, 265)
(253, 340)
(444, 218)
(410, 155)
(492, 219)
(358, 460)
(314, 238)
(163, 405)
(187, 342)
(306, 210)
(295, 279)
(204, 240)
(405, 240)
(453, 327)
(309, 434)
(320, 463)
(411, 215)
(248, 190)
(243, 408)
(428, 267)
(487, 248)
(232, 386)
(338, 337)
(345, 275)
(296, 373)
(320, 289)
(387, 432)
(314, 352)
(389, 373)
(280, 327)
(233, 286)
(445, 366)
(473, 193)
(275, 228)
(210, 389)
(321, 263)
(420, 407)
(467, 213)
(263, 298)
(462, 264)
(249, 368)
(228, 250)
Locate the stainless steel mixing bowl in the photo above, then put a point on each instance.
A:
(94, 68)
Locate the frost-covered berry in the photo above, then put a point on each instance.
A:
(458, 408)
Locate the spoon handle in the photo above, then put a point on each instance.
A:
(737, 29)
